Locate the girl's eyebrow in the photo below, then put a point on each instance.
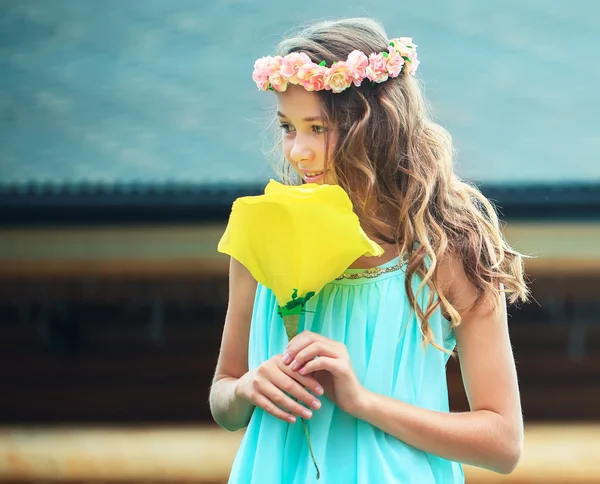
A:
(306, 120)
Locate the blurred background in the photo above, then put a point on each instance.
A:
(127, 129)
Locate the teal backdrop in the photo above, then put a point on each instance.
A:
(152, 91)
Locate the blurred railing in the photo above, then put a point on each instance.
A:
(552, 454)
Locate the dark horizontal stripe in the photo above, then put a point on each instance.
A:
(97, 204)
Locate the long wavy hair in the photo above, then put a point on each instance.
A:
(397, 167)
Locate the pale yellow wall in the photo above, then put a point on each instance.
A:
(135, 251)
(553, 454)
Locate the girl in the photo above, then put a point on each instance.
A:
(368, 371)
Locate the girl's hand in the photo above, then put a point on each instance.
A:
(328, 360)
(268, 386)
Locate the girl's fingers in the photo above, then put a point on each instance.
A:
(275, 386)
(278, 397)
(299, 342)
(305, 381)
(318, 348)
(292, 387)
(322, 363)
(269, 407)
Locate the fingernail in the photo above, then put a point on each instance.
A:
(319, 390)
(316, 405)
(302, 370)
(306, 413)
(294, 365)
(286, 358)
(292, 419)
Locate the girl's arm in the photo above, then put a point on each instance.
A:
(228, 409)
(235, 390)
(491, 434)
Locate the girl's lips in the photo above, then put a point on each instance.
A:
(313, 179)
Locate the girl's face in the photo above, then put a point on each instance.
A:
(304, 129)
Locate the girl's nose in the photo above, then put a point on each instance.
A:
(301, 153)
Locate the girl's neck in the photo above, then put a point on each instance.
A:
(368, 262)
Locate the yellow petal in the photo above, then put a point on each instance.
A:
(296, 237)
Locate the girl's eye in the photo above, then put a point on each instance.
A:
(286, 127)
(319, 129)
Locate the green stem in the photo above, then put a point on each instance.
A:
(312, 454)
(291, 321)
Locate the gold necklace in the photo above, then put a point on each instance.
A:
(373, 271)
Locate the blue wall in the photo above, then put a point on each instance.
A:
(157, 90)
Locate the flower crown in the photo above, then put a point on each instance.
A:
(276, 73)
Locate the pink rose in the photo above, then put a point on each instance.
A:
(402, 44)
(406, 41)
(414, 64)
(274, 64)
(357, 63)
(338, 77)
(261, 73)
(408, 51)
(290, 65)
(311, 76)
(278, 82)
(266, 71)
(377, 70)
(394, 62)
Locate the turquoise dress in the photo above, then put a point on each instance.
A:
(372, 317)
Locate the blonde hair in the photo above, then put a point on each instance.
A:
(397, 168)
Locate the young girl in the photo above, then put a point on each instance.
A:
(368, 369)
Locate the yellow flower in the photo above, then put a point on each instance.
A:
(294, 240)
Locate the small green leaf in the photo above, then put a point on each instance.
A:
(407, 59)
(322, 63)
(294, 303)
(284, 311)
(385, 54)
(392, 44)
